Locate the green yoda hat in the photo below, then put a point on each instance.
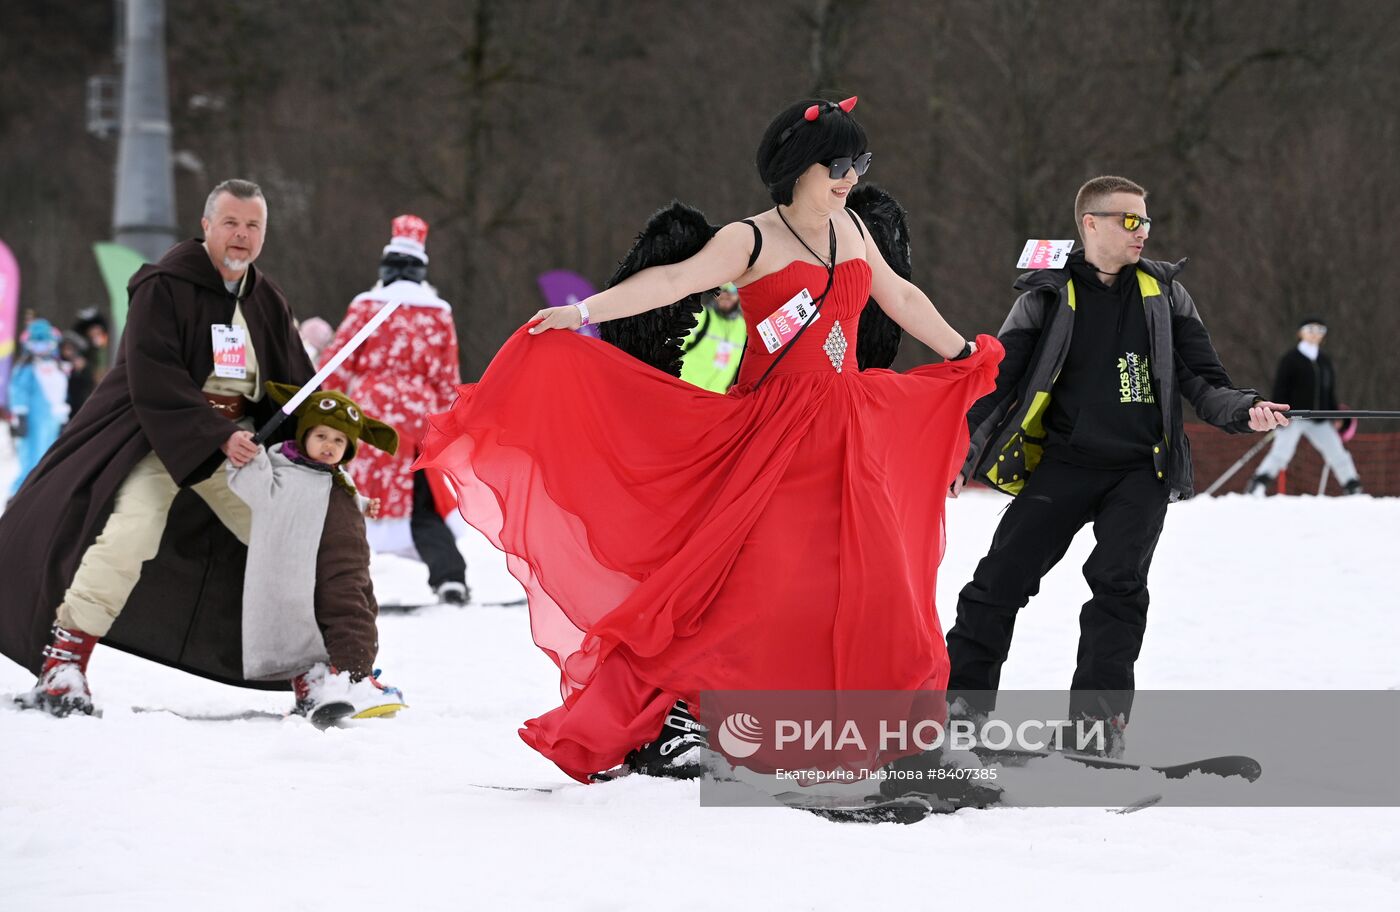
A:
(339, 411)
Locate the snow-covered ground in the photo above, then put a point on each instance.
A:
(147, 811)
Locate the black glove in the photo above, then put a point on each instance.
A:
(19, 426)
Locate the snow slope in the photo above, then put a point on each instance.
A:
(148, 811)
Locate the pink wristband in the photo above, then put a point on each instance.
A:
(582, 312)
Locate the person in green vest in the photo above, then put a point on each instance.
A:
(715, 346)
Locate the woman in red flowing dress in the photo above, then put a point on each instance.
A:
(783, 536)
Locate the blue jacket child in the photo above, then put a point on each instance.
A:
(38, 397)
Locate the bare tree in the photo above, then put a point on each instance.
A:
(540, 134)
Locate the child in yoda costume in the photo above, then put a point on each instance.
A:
(309, 610)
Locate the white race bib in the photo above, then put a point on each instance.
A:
(784, 322)
(230, 352)
(1039, 254)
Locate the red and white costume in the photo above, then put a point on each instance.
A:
(402, 373)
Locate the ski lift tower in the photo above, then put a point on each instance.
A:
(143, 215)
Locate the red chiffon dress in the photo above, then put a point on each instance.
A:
(672, 540)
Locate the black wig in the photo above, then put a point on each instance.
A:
(397, 266)
(792, 144)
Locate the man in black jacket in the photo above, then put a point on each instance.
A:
(1306, 379)
(1085, 426)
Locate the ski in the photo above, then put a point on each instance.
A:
(325, 716)
(247, 715)
(331, 712)
(1227, 766)
(612, 775)
(906, 810)
(618, 772)
(541, 789)
(871, 809)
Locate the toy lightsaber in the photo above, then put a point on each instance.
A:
(315, 382)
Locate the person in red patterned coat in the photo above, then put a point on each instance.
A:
(404, 372)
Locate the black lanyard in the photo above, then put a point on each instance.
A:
(830, 280)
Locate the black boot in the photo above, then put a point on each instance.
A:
(1111, 739)
(1353, 487)
(1258, 486)
(680, 751)
(454, 593)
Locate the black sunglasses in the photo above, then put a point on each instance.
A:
(839, 166)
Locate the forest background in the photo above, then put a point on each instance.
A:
(540, 134)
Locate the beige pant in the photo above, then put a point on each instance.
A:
(112, 564)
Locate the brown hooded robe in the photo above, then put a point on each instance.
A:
(186, 609)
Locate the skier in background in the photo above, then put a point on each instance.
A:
(716, 344)
(38, 397)
(1306, 379)
(315, 334)
(403, 373)
(74, 352)
(92, 325)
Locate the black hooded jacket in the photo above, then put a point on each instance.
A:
(1007, 426)
(1104, 412)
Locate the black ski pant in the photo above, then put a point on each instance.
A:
(1127, 508)
(433, 539)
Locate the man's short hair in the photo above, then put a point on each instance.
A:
(244, 190)
(1091, 196)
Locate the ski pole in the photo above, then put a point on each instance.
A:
(1338, 414)
(315, 382)
(1239, 464)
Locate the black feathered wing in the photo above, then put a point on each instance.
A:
(671, 235)
(877, 340)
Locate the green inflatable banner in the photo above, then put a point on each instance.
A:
(118, 264)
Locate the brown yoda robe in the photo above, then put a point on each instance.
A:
(186, 609)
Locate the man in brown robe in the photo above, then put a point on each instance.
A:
(114, 536)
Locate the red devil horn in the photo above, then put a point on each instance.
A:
(813, 112)
(848, 104)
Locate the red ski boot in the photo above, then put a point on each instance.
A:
(62, 687)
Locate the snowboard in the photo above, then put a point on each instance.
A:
(1228, 766)
(382, 711)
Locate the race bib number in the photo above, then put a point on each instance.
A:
(1039, 254)
(783, 323)
(230, 352)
